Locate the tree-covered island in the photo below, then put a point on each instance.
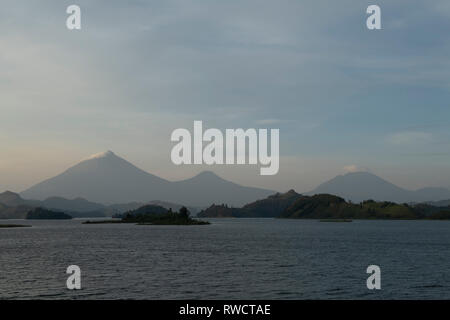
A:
(154, 215)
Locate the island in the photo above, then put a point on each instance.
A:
(154, 215)
(14, 226)
(45, 214)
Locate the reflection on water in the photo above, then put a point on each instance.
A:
(229, 259)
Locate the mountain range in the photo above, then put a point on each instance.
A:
(13, 206)
(105, 184)
(107, 178)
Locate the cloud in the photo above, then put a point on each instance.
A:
(354, 168)
(140, 69)
(268, 121)
(410, 138)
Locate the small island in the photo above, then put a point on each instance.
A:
(154, 215)
(14, 225)
(335, 220)
(45, 214)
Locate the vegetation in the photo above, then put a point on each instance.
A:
(147, 209)
(326, 206)
(269, 207)
(41, 213)
(220, 211)
(442, 215)
(168, 218)
(16, 212)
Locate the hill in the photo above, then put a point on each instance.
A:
(147, 209)
(441, 203)
(269, 207)
(326, 206)
(74, 205)
(17, 212)
(44, 214)
(13, 206)
(220, 211)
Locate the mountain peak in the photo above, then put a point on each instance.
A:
(207, 176)
(10, 198)
(207, 173)
(360, 173)
(107, 178)
(9, 194)
(361, 185)
(100, 155)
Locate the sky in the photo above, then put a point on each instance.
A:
(345, 98)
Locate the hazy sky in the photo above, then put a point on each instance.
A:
(345, 98)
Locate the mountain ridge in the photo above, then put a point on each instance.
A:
(107, 178)
(12, 205)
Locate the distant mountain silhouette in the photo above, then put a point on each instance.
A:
(12, 199)
(206, 188)
(360, 186)
(441, 203)
(77, 205)
(106, 178)
(13, 206)
(45, 214)
(432, 194)
(14, 212)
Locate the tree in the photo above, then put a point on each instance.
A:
(184, 213)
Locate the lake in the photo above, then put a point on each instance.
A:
(229, 259)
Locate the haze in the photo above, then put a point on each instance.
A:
(344, 98)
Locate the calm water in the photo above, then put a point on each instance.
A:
(229, 259)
